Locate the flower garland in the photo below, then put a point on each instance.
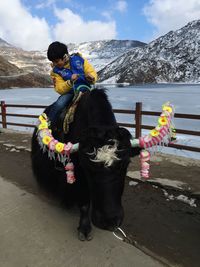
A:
(162, 134)
(55, 148)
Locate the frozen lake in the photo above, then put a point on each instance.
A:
(185, 98)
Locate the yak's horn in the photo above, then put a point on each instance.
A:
(135, 142)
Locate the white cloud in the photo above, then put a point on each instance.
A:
(107, 15)
(50, 3)
(45, 4)
(20, 28)
(168, 15)
(72, 28)
(121, 6)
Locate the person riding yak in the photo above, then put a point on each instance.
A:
(87, 164)
(69, 73)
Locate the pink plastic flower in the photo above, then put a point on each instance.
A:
(51, 145)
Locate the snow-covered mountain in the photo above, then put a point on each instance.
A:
(101, 53)
(35, 63)
(174, 57)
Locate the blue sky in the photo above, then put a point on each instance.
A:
(32, 25)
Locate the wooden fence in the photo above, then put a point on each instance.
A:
(137, 120)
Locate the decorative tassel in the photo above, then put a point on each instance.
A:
(70, 173)
(144, 169)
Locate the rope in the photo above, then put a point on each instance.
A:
(69, 116)
(122, 232)
(76, 91)
(82, 86)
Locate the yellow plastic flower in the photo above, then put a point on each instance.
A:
(162, 120)
(59, 147)
(43, 125)
(154, 132)
(46, 139)
(167, 108)
(43, 117)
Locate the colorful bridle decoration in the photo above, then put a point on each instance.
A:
(56, 150)
(162, 134)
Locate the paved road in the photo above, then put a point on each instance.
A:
(36, 233)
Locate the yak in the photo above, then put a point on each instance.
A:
(100, 163)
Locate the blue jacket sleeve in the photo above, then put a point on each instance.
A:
(66, 74)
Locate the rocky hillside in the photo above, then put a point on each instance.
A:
(174, 57)
(12, 76)
(7, 68)
(19, 68)
(28, 61)
(25, 80)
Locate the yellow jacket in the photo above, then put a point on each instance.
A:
(62, 86)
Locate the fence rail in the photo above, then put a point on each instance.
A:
(137, 120)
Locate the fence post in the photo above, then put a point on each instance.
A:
(138, 119)
(3, 114)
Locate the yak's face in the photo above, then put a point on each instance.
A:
(105, 158)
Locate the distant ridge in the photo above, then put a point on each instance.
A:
(3, 43)
(174, 57)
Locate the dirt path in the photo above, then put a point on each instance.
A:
(155, 221)
(170, 229)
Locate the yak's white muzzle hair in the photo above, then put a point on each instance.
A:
(105, 154)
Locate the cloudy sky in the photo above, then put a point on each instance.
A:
(33, 24)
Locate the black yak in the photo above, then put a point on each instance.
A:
(100, 163)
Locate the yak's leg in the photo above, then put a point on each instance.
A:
(84, 229)
(83, 194)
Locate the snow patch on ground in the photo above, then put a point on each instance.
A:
(183, 198)
(167, 182)
(132, 183)
(161, 181)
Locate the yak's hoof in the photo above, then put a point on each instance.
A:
(85, 236)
